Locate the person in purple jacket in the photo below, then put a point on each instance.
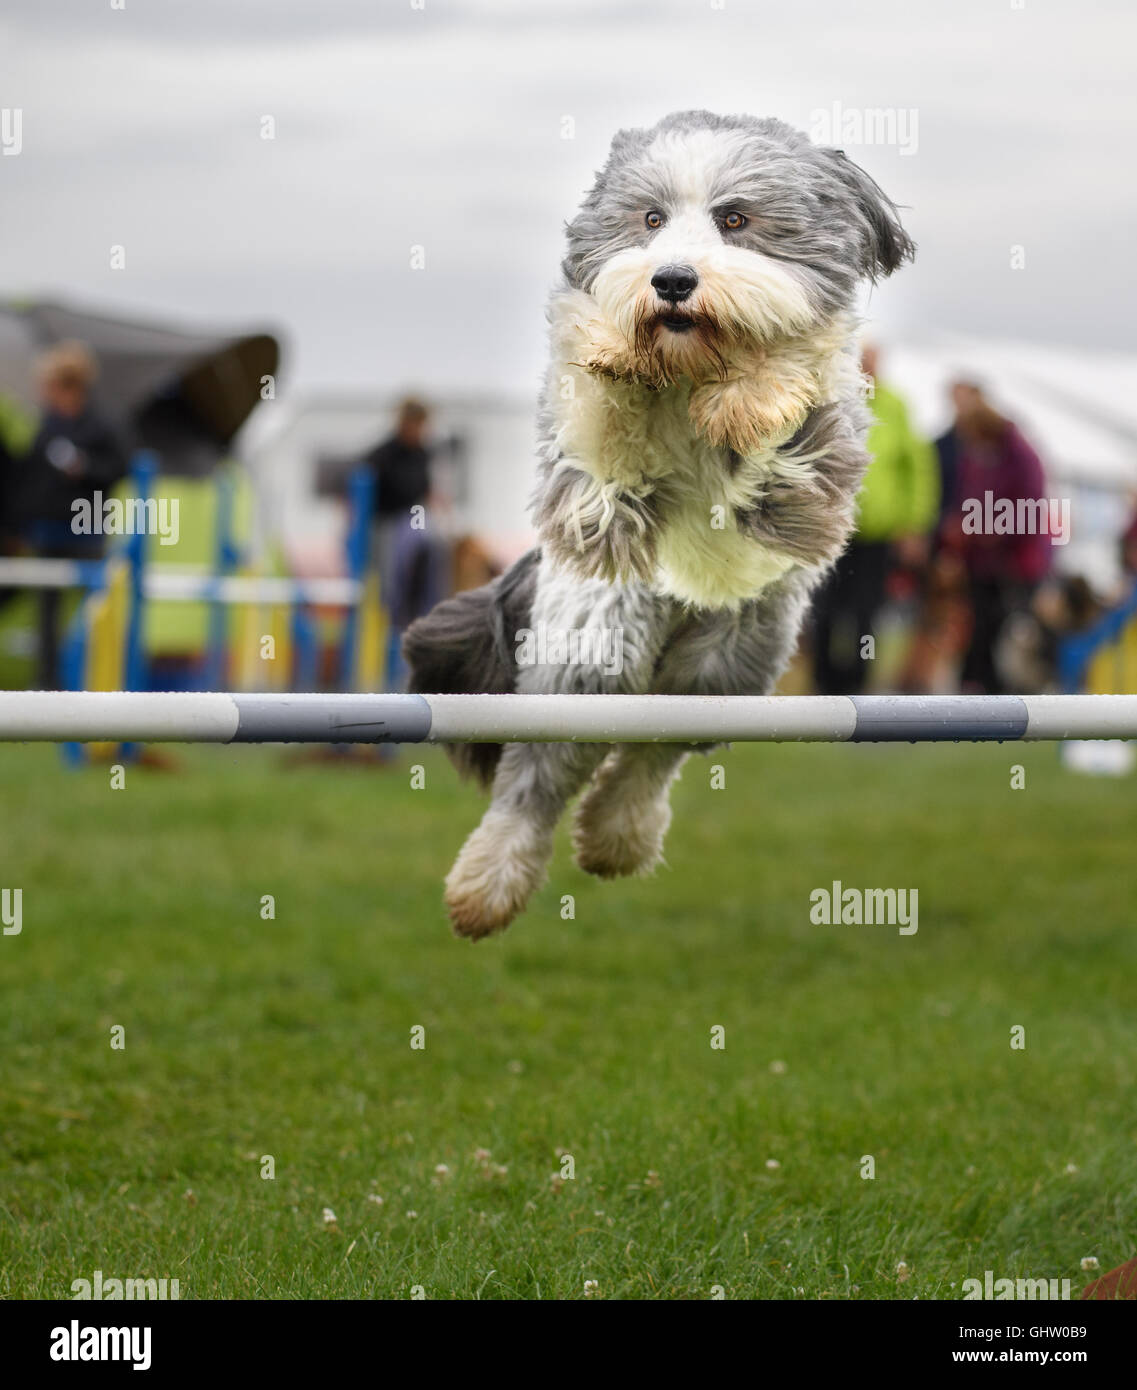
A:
(997, 524)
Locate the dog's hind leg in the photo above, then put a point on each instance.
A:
(505, 860)
(621, 821)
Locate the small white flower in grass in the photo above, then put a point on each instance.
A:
(374, 1197)
(442, 1170)
(591, 1287)
(653, 1179)
(903, 1273)
(778, 1068)
(1090, 1262)
(329, 1216)
(481, 1155)
(772, 1164)
(412, 1215)
(1071, 1169)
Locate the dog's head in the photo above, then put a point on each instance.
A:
(709, 231)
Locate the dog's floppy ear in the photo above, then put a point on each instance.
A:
(886, 244)
(626, 144)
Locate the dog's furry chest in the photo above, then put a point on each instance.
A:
(705, 558)
(649, 448)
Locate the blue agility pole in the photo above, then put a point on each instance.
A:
(208, 717)
(361, 494)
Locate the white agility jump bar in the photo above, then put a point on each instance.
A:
(251, 589)
(170, 583)
(128, 717)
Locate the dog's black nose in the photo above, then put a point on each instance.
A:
(675, 283)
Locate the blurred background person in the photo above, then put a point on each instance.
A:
(407, 550)
(988, 453)
(8, 523)
(74, 454)
(1028, 654)
(942, 626)
(897, 508)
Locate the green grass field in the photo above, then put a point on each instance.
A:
(694, 1167)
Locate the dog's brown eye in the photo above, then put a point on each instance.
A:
(653, 221)
(734, 221)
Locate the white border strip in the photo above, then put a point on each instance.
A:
(170, 583)
(248, 588)
(32, 572)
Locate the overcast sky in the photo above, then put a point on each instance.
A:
(440, 123)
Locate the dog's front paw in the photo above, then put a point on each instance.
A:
(745, 414)
(596, 530)
(497, 870)
(602, 351)
(610, 363)
(612, 556)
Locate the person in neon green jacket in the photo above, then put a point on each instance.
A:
(900, 495)
(897, 509)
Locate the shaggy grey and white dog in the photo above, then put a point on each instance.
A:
(702, 442)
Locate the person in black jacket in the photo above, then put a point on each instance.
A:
(76, 454)
(402, 545)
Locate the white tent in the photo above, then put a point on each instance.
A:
(1079, 409)
(484, 462)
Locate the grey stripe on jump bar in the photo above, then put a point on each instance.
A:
(938, 718)
(346, 719)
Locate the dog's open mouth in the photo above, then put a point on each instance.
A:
(671, 340)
